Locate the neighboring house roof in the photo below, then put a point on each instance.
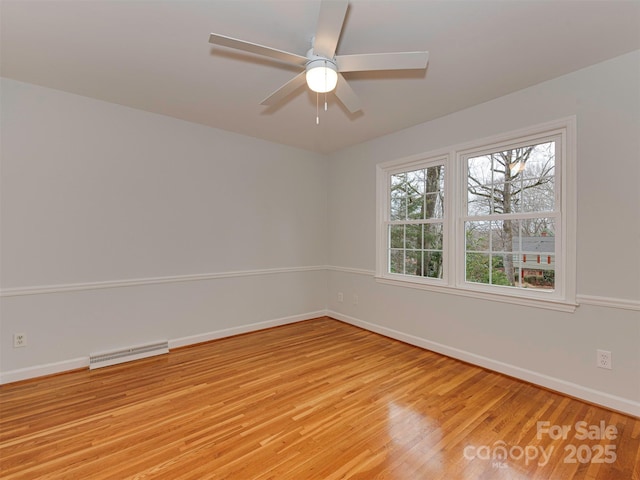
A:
(535, 244)
(537, 253)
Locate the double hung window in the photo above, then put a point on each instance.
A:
(493, 219)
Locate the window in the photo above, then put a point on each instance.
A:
(493, 219)
(415, 228)
(510, 216)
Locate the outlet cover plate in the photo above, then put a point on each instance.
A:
(19, 340)
(603, 359)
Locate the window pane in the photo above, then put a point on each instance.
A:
(397, 182)
(479, 170)
(479, 185)
(477, 267)
(415, 208)
(538, 195)
(433, 236)
(538, 227)
(478, 203)
(542, 279)
(415, 182)
(499, 271)
(413, 263)
(434, 205)
(541, 161)
(477, 236)
(396, 261)
(502, 232)
(414, 237)
(433, 264)
(435, 179)
(499, 192)
(396, 236)
(398, 208)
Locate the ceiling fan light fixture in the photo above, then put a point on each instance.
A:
(322, 75)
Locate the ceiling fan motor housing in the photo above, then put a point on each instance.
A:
(322, 74)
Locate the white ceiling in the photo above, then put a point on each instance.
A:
(154, 55)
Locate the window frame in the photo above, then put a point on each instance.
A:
(563, 298)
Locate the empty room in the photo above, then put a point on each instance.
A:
(320, 239)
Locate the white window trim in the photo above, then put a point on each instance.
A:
(453, 281)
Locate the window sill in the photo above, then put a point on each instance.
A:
(548, 304)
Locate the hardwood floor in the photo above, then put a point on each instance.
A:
(314, 400)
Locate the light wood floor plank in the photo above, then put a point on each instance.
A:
(312, 400)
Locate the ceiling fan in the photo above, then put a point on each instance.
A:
(323, 69)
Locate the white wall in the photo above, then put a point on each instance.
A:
(97, 195)
(551, 348)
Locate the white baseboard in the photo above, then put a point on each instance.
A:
(43, 370)
(252, 327)
(83, 362)
(574, 390)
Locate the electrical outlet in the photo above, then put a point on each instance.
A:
(340, 296)
(355, 299)
(19, 340)
(603, 359)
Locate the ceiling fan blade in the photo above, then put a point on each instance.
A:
(330, 20)
(285, 90)
(258, 49)
(347, 96)
(382, 61)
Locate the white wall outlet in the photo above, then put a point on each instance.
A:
(603, 359)
(355, 299)
(340, 296)
(19, 340)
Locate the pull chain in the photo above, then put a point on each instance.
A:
(326, 106)
(325, 85)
